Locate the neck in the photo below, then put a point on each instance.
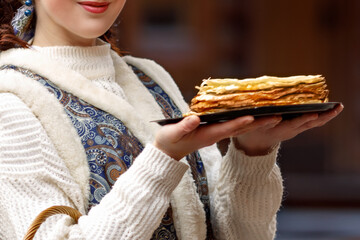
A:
(44, 41)
(94, 63)
(60, 37)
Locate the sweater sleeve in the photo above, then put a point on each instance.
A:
(245, 193)
(33, 178)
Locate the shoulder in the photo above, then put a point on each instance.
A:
(150, 68)
(143, 63)
(162, 77)
(10, 104)
(20, 56)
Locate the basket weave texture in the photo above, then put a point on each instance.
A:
(72, 212)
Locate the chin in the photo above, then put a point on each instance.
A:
(91, 30)
(90, 37)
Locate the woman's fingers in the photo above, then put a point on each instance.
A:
(327, 116)
(226, 129)
(180, 139)
(290, 128)
(322, 119)
(264, 136)
(183, 128)
(265, 123)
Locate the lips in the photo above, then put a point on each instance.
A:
(95, 7)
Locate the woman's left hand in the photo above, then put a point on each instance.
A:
(267, 132)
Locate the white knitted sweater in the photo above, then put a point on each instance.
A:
(42, 162)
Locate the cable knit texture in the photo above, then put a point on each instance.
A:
(96, 63)
(42, 161)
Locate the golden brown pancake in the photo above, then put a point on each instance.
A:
(216, 95)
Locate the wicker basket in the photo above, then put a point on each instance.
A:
(72, 212)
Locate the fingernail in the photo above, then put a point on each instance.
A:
(275, 120)
(339, 107)
(273, 123)
(191, 117)
(248, 120)
(342, 108)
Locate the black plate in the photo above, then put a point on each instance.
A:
(287, 112)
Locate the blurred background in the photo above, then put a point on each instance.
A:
(199, 39)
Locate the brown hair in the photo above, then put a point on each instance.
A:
(110, 37)
(9, 40)
(7, 36)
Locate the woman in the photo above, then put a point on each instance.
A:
(76, 131)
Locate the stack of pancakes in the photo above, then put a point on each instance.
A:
(217, 95)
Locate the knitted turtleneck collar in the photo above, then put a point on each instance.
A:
(95, 63)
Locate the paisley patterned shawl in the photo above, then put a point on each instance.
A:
(170, 110)
(111, 148)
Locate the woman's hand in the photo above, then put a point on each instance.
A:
(180, 139)
(265, 137)
(254, 137)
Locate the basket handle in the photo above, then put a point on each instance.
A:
(72, 212)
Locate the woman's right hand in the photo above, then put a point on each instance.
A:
(179, 139)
